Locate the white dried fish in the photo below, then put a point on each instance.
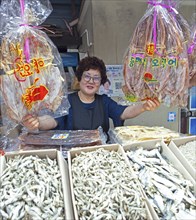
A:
(166, 181)
(104, 187)
(31, 187)
(189, 151)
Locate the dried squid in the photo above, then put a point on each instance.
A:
(156, 62)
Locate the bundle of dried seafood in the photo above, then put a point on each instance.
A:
(104, 187)
(33, 82)
(136, 133)
(156, 63)
(31, 187)
(192, 49)
(64, 138)
(171, 195)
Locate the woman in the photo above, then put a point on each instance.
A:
(88, 109)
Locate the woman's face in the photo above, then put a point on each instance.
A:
(90, 82)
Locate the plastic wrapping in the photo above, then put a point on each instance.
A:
(62, 139)
(8, 140)
(192, 48)
(23, 12)
(156, 62)
(34, 81)
(136, 133)
(3, 138)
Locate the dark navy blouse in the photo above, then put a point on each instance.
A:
(111, 109)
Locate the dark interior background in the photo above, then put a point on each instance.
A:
(63, 23)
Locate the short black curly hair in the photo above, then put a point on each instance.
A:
(94, 63)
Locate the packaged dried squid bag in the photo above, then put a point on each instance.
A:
(192, 48)
(156, 61)
(33, 81)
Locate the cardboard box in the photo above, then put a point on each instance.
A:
(111, 147)
(174, 147)
(52, 154)
(169, 155)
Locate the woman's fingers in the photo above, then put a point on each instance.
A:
(34, 123)
(30, 122)
(26, 118)
(151, 104)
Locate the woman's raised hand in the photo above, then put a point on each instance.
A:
(31, 122)
(151, 104)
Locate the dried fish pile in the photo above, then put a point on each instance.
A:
(31, 188)
(171, 195)
(104, 187)
(189, 151)
(137, 133)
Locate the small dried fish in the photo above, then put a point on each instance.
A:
(189, 151)
(167, 190)
(31, 188)
(105, 188)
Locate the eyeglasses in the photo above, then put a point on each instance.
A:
(87, 78)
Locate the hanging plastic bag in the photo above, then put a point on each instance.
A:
(33, 82)
(156, 63)
(192, 50)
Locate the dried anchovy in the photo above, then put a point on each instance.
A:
(189, 151)
(31, 188)
(171, 195)
(104, 187)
